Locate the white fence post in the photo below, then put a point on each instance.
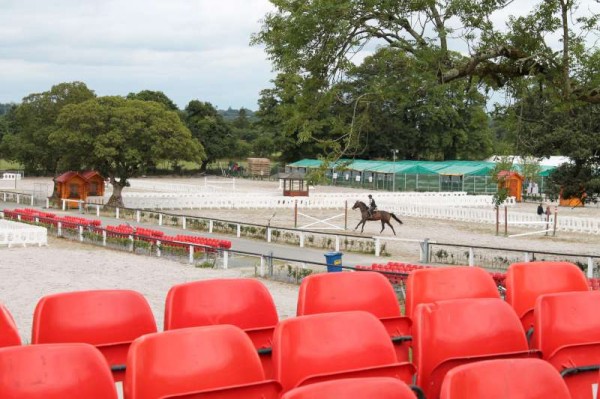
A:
(137, 215)
(590, 268)
(64, 204)
(377, 246)
(526, 257)
(116, 213)
(31, 199)
(210, 226)
(191, 253)
(80, 233)
(158, 248)
(301, 239)
(239, 230)
(59, 229)
(262, 266)
(337, 243)
(471, 257)
(103, 238)
(268, 234)
(97, 210)
(160, 219)
(225, 259)
(183, 222)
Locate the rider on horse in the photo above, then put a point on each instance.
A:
(372, 205)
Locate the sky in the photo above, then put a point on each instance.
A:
(188, 49)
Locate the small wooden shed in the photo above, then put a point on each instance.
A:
(294, 184)
(513, 181)
(78, 186)
(95, 183)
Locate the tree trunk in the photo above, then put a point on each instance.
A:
(566, 66)
(116, 199)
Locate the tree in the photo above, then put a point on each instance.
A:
(34, 120)
(210, 129)
(120, 138)
(156, 96)
(455, 44)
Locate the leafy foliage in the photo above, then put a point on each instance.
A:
(33, 121)
(121, 138)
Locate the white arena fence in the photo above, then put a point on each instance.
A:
(14, 233)
(427, 205)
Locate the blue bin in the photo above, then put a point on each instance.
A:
(334, 261)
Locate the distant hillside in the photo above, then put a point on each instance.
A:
(231, 114)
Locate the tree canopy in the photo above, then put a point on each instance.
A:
(32, 123)
(430, 67)
(121, 138)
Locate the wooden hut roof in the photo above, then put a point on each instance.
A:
(88, 174)
(68, 176)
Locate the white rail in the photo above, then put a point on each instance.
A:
(13, 233)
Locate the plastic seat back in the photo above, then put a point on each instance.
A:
(567, 329)
(245, 303)
(354, 388)
(505, 378)
(444, 283)
(216, 362)
(107, 319)
(321, 347)
(526, 281)
(9, 334)
(454, 332)
(367, 291)
(55, 371)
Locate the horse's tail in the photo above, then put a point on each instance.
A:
(395, 218)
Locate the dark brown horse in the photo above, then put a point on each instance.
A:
(377, 215)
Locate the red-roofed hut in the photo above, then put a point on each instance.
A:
(513, 182)
(78, 186)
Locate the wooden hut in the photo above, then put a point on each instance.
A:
(95, 183)
(259, 167)
(294, 185)
(513, 182)
(78, 186)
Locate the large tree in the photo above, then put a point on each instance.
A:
(210, 129)
(32, 123)
(156, 96)
(120, 138)
(456, 44)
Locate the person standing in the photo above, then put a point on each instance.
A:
(540, 212)
(548, 213)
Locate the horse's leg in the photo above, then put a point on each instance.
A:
(357, 225)
(382, 226)
(388, 222)
(363, 225)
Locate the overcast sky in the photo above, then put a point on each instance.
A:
(189, 49)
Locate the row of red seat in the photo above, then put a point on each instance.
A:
(145, 234)
(405, 268)
(455, 317)
(29, 215)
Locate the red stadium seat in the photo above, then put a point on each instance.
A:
(505, 378)
(526, 281)
(9, 335)
(107, 319)
(214, 362)
(438, 284)
(322, 347)
(449, 333)
(368, 291)
(245, 303)
(354, 388)
(567, 327)
(55, 371)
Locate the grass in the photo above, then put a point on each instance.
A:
(5, 165)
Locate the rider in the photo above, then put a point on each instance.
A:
(372, 205)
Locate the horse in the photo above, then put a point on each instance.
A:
(377, 215)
